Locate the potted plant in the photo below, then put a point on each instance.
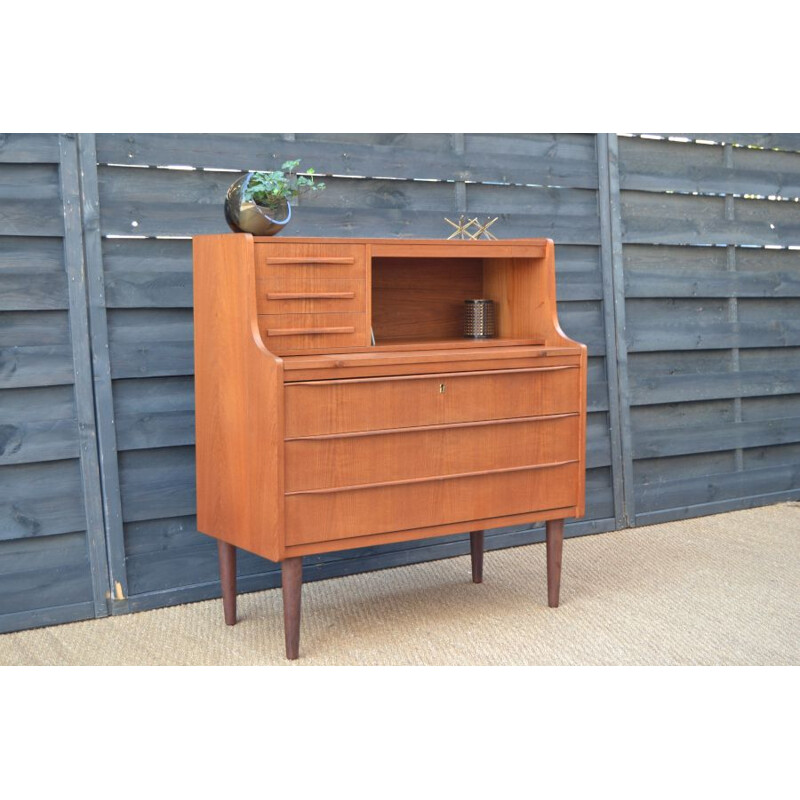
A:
(258, 202)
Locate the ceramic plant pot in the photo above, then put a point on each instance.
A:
(245, 216)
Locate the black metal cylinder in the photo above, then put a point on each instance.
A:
(479, 319)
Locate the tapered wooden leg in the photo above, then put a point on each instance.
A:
(476, 551)
(227, 576)
(292, 580)
(555, 541)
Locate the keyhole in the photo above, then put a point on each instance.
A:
(442, 387)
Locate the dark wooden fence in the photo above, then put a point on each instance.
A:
(677, 264)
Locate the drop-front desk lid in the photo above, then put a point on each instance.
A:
(424, 356)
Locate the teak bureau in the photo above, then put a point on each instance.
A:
(338, 404)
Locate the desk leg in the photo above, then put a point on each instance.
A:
(227, 576)
(292, 583)
(555, 541)
(476, 551)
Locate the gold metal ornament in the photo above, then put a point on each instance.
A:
(471, 229)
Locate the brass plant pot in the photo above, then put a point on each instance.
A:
(247, 217)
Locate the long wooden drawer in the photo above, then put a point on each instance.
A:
(353, 459)
(311, 260)
(340, 514)
(339, 406)
(307, 294)
(286, 333)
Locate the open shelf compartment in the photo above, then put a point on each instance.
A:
(419, 301)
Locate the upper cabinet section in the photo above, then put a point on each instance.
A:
(316, 296)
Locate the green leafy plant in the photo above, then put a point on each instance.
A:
(272, 189)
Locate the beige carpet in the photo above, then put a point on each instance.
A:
(715, 590)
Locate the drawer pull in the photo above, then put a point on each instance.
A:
(310, 295)
(304, 331)
(440, 427)
(428, 376)
(432, 478)
(311, 260)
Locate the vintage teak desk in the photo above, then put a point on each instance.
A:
(312, 436)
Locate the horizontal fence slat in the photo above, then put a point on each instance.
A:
(28, 584)
(149, 429)
(649, 389)
(42, 440)
(29, 148)
(783, 141)
(685, 283)
(34, 328)
(24, 291)
(46, 365)
(63, 585)
(548, 161)
(715, 487)
(41, 499)
(696, 335)
(42, 552)
(655, 443)
(30, 218)
(43, 617)
(29, 200)
(583, 321)
(149, 290)
(157, 483)
(716, 507)
(35, 253)
(129, 360)
(656, 218)
(660, 166)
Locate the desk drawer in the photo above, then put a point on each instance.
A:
(286, 333)
(340, 514)
(354, 459)
(305, 294)
(310, 260)
(322, 407)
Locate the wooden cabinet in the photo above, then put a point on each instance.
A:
(338, 404)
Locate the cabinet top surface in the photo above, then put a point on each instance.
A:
(393, 240)
(455, 243)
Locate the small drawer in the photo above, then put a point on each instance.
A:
(311, 260)
(340, 514)
(288, 333)
(356, 459)
(307, 294)
(364, 404)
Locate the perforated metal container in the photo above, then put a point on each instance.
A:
(479, 319)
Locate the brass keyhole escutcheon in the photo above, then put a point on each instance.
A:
(442, 388)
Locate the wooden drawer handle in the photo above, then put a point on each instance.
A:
(432, 375)
(303, 331)
(431, 478)
(310, 295)
(311, 260)
(439, 427)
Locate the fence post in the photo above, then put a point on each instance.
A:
(101, 364)
(614, 321)
(69, 179)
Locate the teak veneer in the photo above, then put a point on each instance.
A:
(313, 437)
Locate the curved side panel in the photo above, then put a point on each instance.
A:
(238, 402)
